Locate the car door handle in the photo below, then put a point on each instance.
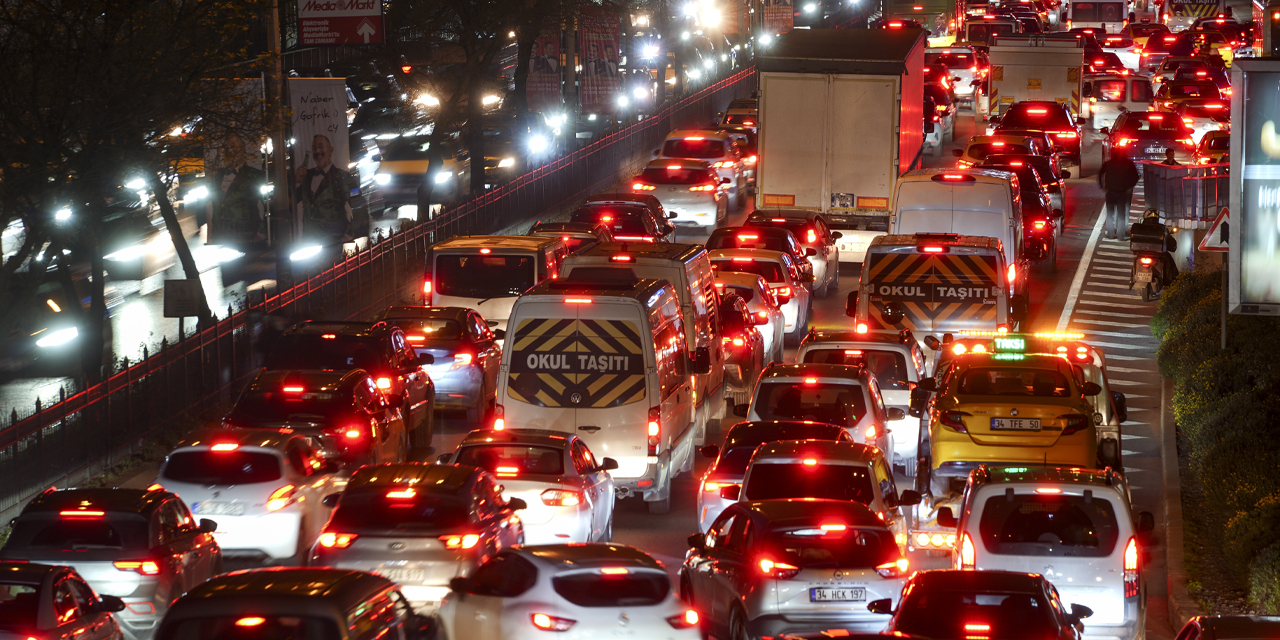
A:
(589, 429)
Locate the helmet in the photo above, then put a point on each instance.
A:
(1151, 215)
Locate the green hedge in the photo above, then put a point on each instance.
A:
(1264, 580)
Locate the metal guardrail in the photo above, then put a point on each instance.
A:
(1185, 192)
(81, 435)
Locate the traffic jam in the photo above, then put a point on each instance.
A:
(916, 452)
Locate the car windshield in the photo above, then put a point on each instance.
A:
(1097, 12)
(310, 351)
(483, 276)
(1049, 525)
(19, 604)
(513, 460)
(980, 150)
(222, 468)
(696, 147)
(734, 461)
(1039, 117)
(1109, 90)
(631, 589)
(410, 149)
(674, 174)
(936, 613)
(419, 330)
(1119, 41)
(747, 239)
(779, 481)
(1197, 90)
(1144, 30)
(889, 367)
(990, 381)
(744, 119)
(258, 405)
(841, 404)
(821, 545)
(770, 271)
(622, 221)
(256, 627)
(53, 532)
(372, 510)
(1155, 123)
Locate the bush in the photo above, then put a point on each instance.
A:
(1252, 532)
(1264, 581)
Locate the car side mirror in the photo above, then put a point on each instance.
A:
(425, 359)
(918, 398)
(928, 385)
(759, 320)
(730, 491)
(499, 334)
(331, 500)
(896, 413)
(491, 323)
(208, 526)
(909, 498)
(851, 304)
(836, 235)
(444, 458)
(883, 605)
(1122, 410)
(959, 153)
(702, 361)
(1080, 121)
(697, 541)
(933, 343)
(1145, 523)
(1058, 213)
(460, 584)
(946, 518)
(709, 451)
(516, 504)
(608, 464)
(671, 215)
(1091, 389)
(110, 604)
(741, 410)
(657, 152)
(810, 252)
(1066, 175)
(1105, 131)
(1080, 612)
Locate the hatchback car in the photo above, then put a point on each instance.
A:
(1147, 135)
(418, 525)
(743, 347)
(760, 237)
(848, 396)
(1204, 116)
(141, 546)
(568, 494)
(1229, 627)
(718, 150)
(572, 591)
(771, 567)
(344, 413)
(263, 486)
(1169, 67)
(574, 234)
(790, 288)
(627, 221)
(1124, 48)
(690, 190)
(763, 305)
(814, 233)
(465, 350)
(1175, 92)
(376, 347)
(54, 603)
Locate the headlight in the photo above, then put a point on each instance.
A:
(62, 215)
(488, 100)
(765, 39)
(128, 253)
(537, 144)
(651, 50)
(506, 162)
(443, 177)
(623, 101)
(810, 8)
(57, 338)
(382, 179)
(640, 93)
(198, 193)
(694, 74)
(305, 253)
(266, 189)
(136, 184)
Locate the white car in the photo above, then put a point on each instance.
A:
(263, 487)
(573, 591)
(761, 303)
(789, 286)
(569, 494)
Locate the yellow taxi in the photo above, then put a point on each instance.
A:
(1007, 399)
(1214, 148)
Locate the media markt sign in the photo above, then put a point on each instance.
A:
(336, 22)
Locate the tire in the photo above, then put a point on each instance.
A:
(420, 439)
(475, 415)
(660, 507)
(1146, 292)
(738, 625)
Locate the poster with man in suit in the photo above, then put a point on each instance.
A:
(599, 31)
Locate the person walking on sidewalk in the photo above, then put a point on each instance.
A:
(1117, 177)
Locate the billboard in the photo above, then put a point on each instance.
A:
(338, 22)
(323, 183)
(599, 84)
(542, 86)
(779, 17)
(1254, 230)
(235, 171)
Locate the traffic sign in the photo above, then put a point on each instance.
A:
(182, 298)
(1216, 238)
(338, 22)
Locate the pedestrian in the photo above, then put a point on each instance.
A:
(1171, 158)
(1117, 177)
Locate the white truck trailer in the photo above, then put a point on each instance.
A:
(1036, 67)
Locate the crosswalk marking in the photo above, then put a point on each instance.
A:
(1108, 276)
(1116, 269)
(1111, 356)
(1125, 296)
(1110, 285)
(1112, 324)
(1124, 383)
(1116, 254)
(1131, 436)
(1117, 315)
(1114, 334)
(1110, 304)
(1110, 261)
(1127, 370)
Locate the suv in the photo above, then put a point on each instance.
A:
(717, 149)
(1077, 523)
(628, 217)
(1147, 135)
(1047, 116)
(816, 238)
(378, 348)
(832, 393)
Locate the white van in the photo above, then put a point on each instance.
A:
(688, 268)
(1107, 95)
(605, 358)
(486, 273)
(973, 202)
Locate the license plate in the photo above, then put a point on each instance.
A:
(1155, 149)
(1143, 276)
(404, 576)
(219, 509)
(1015, 424)
(830, 594)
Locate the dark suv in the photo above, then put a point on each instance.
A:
(629, 216)
(1049, 117)
(378, 348)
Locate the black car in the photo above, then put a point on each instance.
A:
(54, 603)
(743, 348)
(1147, 135)
(1230, 628)
(1047, 116)
(575, 234)
(1040, 220)
(770, 238)
(812, 231)
(630, 217)
(376, 347)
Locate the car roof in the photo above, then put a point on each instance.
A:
(681, 163)
(1241, 626)
(557, 227)
(988, 474)
(740, 279)
(952, 240)
(602, 281)
(641, 250)
(432, 478)
(528, 243)
(263, 585)
(804, 214)
(338, 327)
(1005, 138)
(781, 511)
(577, 556)
(138, 501)
(828, 450)
(993, 176)
(250, 438)
(684, 134)
(811, 370)
(619, 198)
(417, 311)
(544, 437)
(1028, 361)
(765, 229)
(978, 581)
(761, 431)
(894, 339)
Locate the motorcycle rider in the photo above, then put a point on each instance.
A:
(1168, 266)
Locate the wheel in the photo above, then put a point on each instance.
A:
(475, 415)
(738, 625)
(1146, 292)
(660, 507)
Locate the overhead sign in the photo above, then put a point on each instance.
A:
(1219, 231)
(182, 298)
(338, 22)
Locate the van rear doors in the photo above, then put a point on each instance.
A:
(935, 293)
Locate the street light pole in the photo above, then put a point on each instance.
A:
(282, 220)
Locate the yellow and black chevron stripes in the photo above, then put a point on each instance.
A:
(1198, 9)
(934, 292)
(572, 363)
(900, 267)
(965, 269)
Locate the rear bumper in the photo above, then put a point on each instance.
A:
(275, 535)
(698, 214)
(564, 527)
(456, 388)
(424, 596)
(776, 625)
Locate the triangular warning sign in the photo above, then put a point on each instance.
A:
(1216, 238)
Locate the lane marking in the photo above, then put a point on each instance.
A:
(1111, 285)
(1114, 269)
(1131, 436)
(1082, 269)
(1124, 296)
(1107, 276)
(1125, 383)
(1112, 314)
(1113, 345)
(1111, 324)
(1128, 263)
(1128, 358)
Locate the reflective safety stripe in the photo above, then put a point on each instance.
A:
(571, 363)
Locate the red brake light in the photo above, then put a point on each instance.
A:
(860, 328)
(144, 567)
(402, 494)
(254, 621)
(331, 540)
(280, 498)
(562, 498)
(933, 249)
(655, 430)
(577, 301)
(551, 623)
(1039, 224)
(780, 570)
(486, 251)
(82, 514)
(461, 360)
(426, 287)
(687, 620)
(290, 390)
(968, 555)
(460, 541)
(977, 628)
(640, 186)
(1048, 490)
(1131, 568)
(224, 446)
(1037, 112)
(1145, 260)
(506, 472)
(703, 187)
(384, 383)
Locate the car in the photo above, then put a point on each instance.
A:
(761, 237)
(743, 347)
(488, 273)
(898, 364)
(1219, 77)
(343, 412)
(1214, 148)
(1040, 220)
(1105, 62)
(729, 460)
(1107, 96)
(1008, 408)
(629, 218)
(1052, 179)
(1140, 31)
(1041, 143)
(773, 566)
(1124, 48)
(1216, 44)
(376, 347)
(55, 603)
(945, 604)
(1203, 116)
(744, 117)
(587, 590)
(575, 234)
(1047, 116)
(1227, 627)
(1156, 49)
(763, 305)
(979, 147)
(418, 525)
(786, 282)
(1079, 521)
(813, 231)
(263, 486)
(690, 190)
(141, 546)
(1146, 135)
(967, 63)
(838, 394)
(465, 350)
(940, 117)
(402, 176)
(567, 493)
(745, 137)
(718, 150)
(265, 603)
(1174, 92)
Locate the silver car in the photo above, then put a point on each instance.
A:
(690, 189)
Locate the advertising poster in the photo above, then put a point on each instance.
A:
(1255, 244)
(778, 17)
(323, 184)
(338, 22)
(542, 88)
(599, 52)
(235, 172)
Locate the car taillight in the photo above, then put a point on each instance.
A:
(332, 540)
(686, 620)
(811, 236)
(1075, 423)
(751, 160)
(499, 418)
(1039, 224)
(968, 555)
(955, 420)
(281, 498)
(551, 623)
(872, 433)
(1065, 134)
(860, 328)
(383, 383)
(467, 541)
(703, 187)
(1131, 568)
(895, 569)
(782, 292)
(561, 498)
(640, 186)
(461, 360)
(1012, 272)
(1189, 142)
(350, 432)
(737, 342)
(1124, 142)
(779, 570)
(426, 287)
(143, 567)
(655, 430)
(715, 487)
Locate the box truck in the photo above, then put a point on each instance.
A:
(1036, 67)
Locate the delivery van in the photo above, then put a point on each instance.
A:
(486, 273)
(601, 353)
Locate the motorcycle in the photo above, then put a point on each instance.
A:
(1149, 241)
(1039, 239)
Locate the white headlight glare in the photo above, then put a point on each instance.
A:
(305, 253)
(128, 253)
(57, 338)
(506, 162)
(198, 193)
(537, 144)
(443, 177)
(382, 179)
(640, 93)
(136, 184)
(62, 215)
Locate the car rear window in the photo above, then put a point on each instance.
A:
(1039, 117)
(510, 460)
(980, 150)
(780, 481)
(483, 276)
(700, 148)
(272, 627)
(951, 59)
(733, 239)
(734, 461)
(937, 613)
(1143, 30)
(889, 367)
(770, 271)
(621, 221)
(821, 402)
(676, 175)
(813, 546)
(1097, 12)
(1219, 143)
(1109, 90)
(1160, 123)
(19, 604)
(208, 467)
(1118, 41)
(990, 381)
(1049, 525)
(316, 406)
(1198, 90)
(1218, 113)
(51, 531)
(633, 589)
(428, 329)
(311, 351)
(372, 510)
(984, 33)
